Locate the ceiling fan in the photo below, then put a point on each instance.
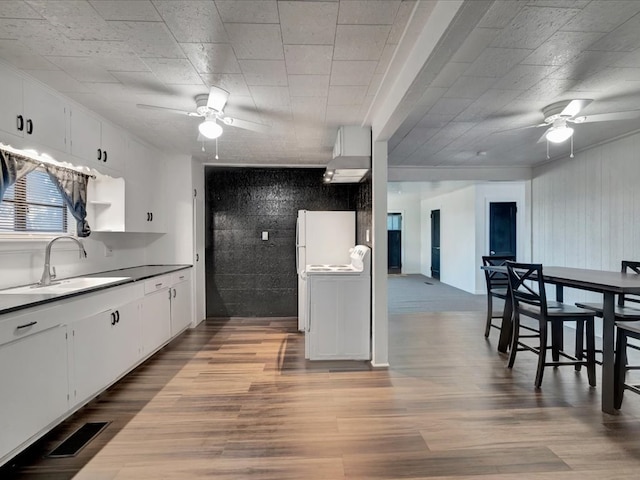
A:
(210, 106)
(560, 115)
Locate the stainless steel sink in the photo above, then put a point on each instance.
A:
(64, 286)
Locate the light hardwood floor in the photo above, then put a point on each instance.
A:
(235, 399)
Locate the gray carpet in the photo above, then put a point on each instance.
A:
(417, 293)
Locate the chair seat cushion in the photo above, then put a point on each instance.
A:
(619, 311)
(499, 292)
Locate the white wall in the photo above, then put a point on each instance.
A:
(585, 210)
(409, 207)
(464, 230)
(457, 237)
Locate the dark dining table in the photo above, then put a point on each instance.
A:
(608, 284)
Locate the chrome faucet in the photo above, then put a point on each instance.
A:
(47, 276)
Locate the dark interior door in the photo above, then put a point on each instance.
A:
(435, 244)
(394, 242)
(394, 262)
(502, 228)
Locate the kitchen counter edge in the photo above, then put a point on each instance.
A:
(12, 303)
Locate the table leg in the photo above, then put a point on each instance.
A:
(557, 332)
(608, 325)
(506, 326)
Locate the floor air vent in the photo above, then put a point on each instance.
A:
(78, 440)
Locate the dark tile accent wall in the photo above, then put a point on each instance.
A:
(246, 276)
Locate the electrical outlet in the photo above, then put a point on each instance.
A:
(265, 235)
(108, 251)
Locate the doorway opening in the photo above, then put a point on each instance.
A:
(435, 244)
(394, 242)
(502, 228)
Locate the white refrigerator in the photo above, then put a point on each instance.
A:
(322, 238)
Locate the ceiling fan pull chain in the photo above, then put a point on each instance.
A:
(203, 146)
(548, 149)
(571, 156)
(216, 149)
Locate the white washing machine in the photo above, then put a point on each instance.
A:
(339, 309)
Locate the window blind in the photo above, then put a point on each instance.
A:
(33, 204)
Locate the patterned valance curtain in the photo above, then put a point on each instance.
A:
(13, 168)
(71, 184)
(73, 188)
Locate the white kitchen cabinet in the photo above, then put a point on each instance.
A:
(34, 116)
(144, 190)
(131, 204)
(155, 314)
(97, 144)
(55, 358)
(34, 388)
(180, 301)
(105, 345)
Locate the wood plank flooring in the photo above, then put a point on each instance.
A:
(235, 399)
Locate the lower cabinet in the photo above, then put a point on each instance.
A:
(180, 301)
(56, 358)
(104, 346)
(156, 320)
(34, 387)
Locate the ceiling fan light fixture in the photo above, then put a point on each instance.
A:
(559, 134)
(210, 129)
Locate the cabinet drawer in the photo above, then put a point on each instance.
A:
(180, 276)
(19, 326)
(157, 283)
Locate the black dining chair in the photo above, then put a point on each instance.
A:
(529, 299)
(497, 286)
(624, 331)
(627, 308)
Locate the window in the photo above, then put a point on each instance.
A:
(33, 204)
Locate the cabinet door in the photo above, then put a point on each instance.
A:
(114, 146)
(138, 183)
(125, 338)
(85, 138)
(48, 115)
(93, 368)
(34, 386)
(156, 320)
(156, 192)
(180, 306)
(11, 101)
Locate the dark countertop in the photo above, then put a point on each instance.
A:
(13, 302)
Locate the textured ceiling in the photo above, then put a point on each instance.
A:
(306, 67)
(520, 57)
(302, 67)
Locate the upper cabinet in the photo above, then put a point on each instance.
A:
(135, 204)
(144, 190)
(96, 143)
(32, 115)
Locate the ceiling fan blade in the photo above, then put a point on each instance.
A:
(166, 109)
(247, 125)
(575, 107)
(217, 99)
(606, 117)
(520, 128)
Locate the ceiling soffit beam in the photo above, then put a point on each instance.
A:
(412, 70)
(438, 174)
